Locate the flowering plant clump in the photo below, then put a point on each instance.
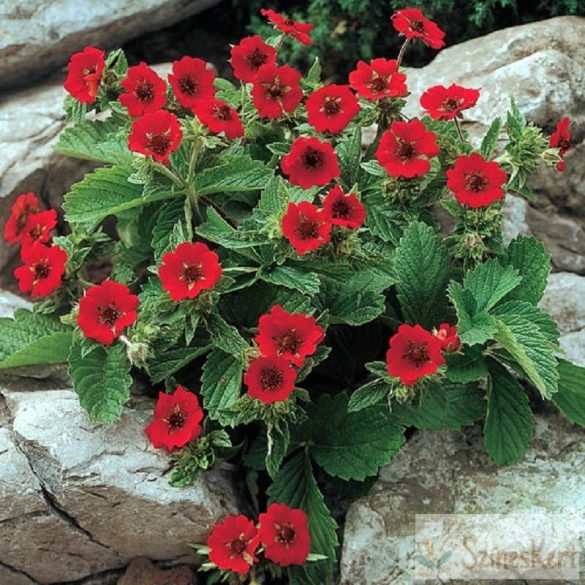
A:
(286, 291)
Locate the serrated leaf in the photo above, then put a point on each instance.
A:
(278, 438)
(381, 219)
(469, 366)
(421, 265)
(236, 174)
(531, 349)
(444, 406)
(220, 384)
(368, 395)
(490, 140)
(169, 362)
(97, 141)
(295, 485)
(571, 395)
(508, 424)
(305, 282)
(538, 317)
(530, 258)
(490, 282)
(101, 379)
(349, 152)
(225, 336)
(30, 339)
(346, 304)
(474, 328)
(350, 445)
(171, 214)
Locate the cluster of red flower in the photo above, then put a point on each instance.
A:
(282, 533)
(43, 264)
(284, 340)
(415, 352)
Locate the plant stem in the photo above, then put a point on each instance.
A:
(402, 51)
(459, 131)
(280, 43)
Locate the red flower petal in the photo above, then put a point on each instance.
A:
(413, 24)
(276, 90)
(25, 205)
(379, 79)
(85, 74)
(38, 227)
(219, 117)
(144, 91)
(233, 543)
(249, 56)
(42, 271)
(157, 135)
(344, 210)
(191, 81)
(446, 103)
(331, 108)
(310, 163)
(298, 30)
(305, 227)
(270, 379)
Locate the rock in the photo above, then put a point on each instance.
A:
(541, 65)
(94, 496)
(441, 472)
(142, 572)
(10, 302)
(573, 346)
(40, 35)
(564, 301)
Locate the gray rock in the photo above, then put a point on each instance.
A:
(541, 65)
(96, 496)
(448, 472)
(573, 346)
(564, 301)
(37, 36)
(9, 302)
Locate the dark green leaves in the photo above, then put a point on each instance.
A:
(422, 268)
(101, 379)
(32, 339)
(489, 283)
(236, 174)
(351, 445)
(571, 395)
(508, 425)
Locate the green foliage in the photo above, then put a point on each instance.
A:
(508, 424)
(571, 395)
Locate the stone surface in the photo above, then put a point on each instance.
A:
(9, 302)
(37, 36)
(449, 472)
(542, 65)
(142, 572)
(90, 498)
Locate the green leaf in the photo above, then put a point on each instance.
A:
(347, 304)
(171, 214)
(474, 329)
(531, 349)
(104, 192)
(444, 406)
(351, 445)
(101, 379)
(349, 152)
(508, 424)
(225, 336)
(314, 75)
(381, 219)
(537, 316)
(277, 448)
(571, 395)
(236, 174)
(469, 366)
(169, 362)
(97, 141)
(220, 384)
(490, 282)
(369, 394)
(422, 269)
(295, 485)
(490, 140)
(293, 278)
(530, 258)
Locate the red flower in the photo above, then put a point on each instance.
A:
(157, 135)
(145, 91)
(378, 79)
(310, 162)
(42, 271)
(331, 108)
(414, 353)
(270, 379)
(561, 138)
(106, 310)
(413, 24)
(299, 30)
(405, 149)
(448, 338)
(251, 54)
(38, 226)
(177, 420)
(219, 117)
(233, 543)
(305, 227)
(475, 181)
(284, 532)
(292, 336)
(343, 210)
(276, 90)
(446, 103)
(188, 270)
(25, 205)
(85, 73)
(192, 81)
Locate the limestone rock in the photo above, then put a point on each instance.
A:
(9, 302)
(541, 65)
(142, 572)
(441, 472)
(564, 301)
(95, 496)
(38, 36)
